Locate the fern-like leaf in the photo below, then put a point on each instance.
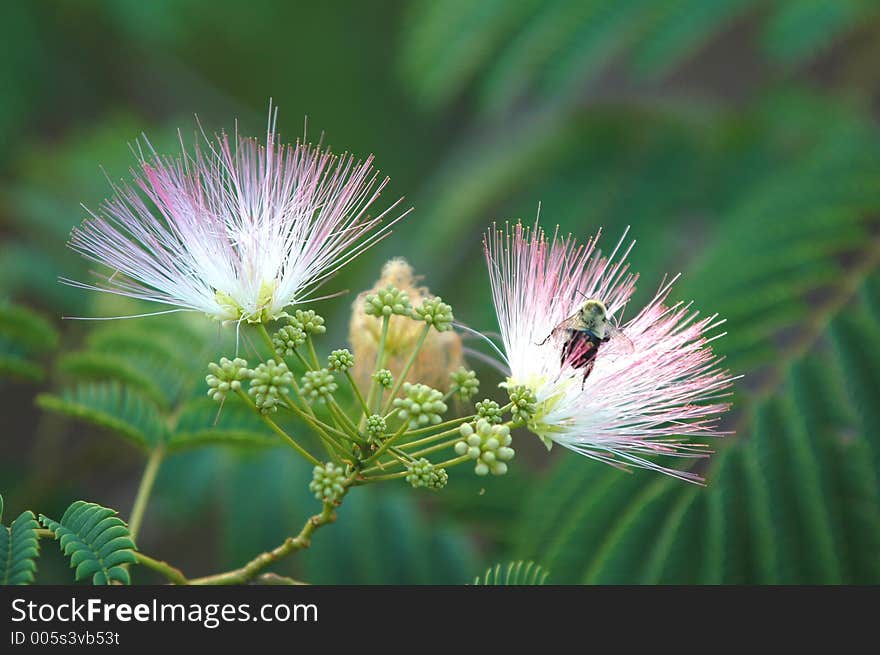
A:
(203, 422)
(116, 407)
(27, 327)
(513, 573)
(19, 548)
(95, 366)
(96, 541)
(24, 337)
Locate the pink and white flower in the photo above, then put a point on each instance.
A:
(235, 229)
(639, 401)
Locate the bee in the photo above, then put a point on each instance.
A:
(586, 332)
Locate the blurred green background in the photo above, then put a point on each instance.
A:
(738, 138)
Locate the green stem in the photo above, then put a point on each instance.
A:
(279, 431)
(264, 333)
(167, 571)
(312, 352)
(453, 422)
(290, 545)
(439, 446)
(144, 489)
(322, 429)
(357, 393)
(455, 461)
(412, 358)
(386, 444)
(275, 579)
(432, 438)
(266, 339)
(375, 387)
(302, 360)
(344, 422)
(381, 478)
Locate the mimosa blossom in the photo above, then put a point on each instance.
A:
(638, 401)
(236, 229)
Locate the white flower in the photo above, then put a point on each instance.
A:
(645, 391)
(239, 230)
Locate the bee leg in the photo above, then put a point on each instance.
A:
(587, 370)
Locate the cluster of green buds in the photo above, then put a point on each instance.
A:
(490, 411)
(308, 321)
(377, 439)
(465, 384)
(226, 376)
(488, 444)
(270, 382)
(421, 405)
(434, 311)
(383, 377)
(375, 427)
(424, 474)
(340, 360)
(318, 386)
(286, 340)
(327, 482)
(388, 301)
(524, 403)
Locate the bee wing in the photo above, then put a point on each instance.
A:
(618, 342)
(568, 323)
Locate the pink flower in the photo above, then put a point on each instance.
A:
(238, 230)
(651, 386)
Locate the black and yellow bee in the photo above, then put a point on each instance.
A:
(585, 332)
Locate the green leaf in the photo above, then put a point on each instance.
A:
(25, 337)
(677, 30)
(513, 573)
(96, 541)
(203, 422)
(26, 327)
(14, 365)
(119, 408)
(521, 53)
(19, 549)
(799, 30)
(94, 366)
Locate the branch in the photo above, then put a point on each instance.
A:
(169, 572)
(290, 545)
(275, 579)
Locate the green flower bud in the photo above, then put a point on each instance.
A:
(384, 377)
(525, 403)
(388, 301)
(308, 321)
(318, 386)
(269, 382)
(226, 376)
(287, 340)
(327, 482)
(423, 474)
(340, 360)
(465, 384)
(488, 444)
(422, 405)
(434, 311)
(375, 427)
(490, 410)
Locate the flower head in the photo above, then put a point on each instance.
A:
(442, 350)
(236, 229)
(622, 395)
